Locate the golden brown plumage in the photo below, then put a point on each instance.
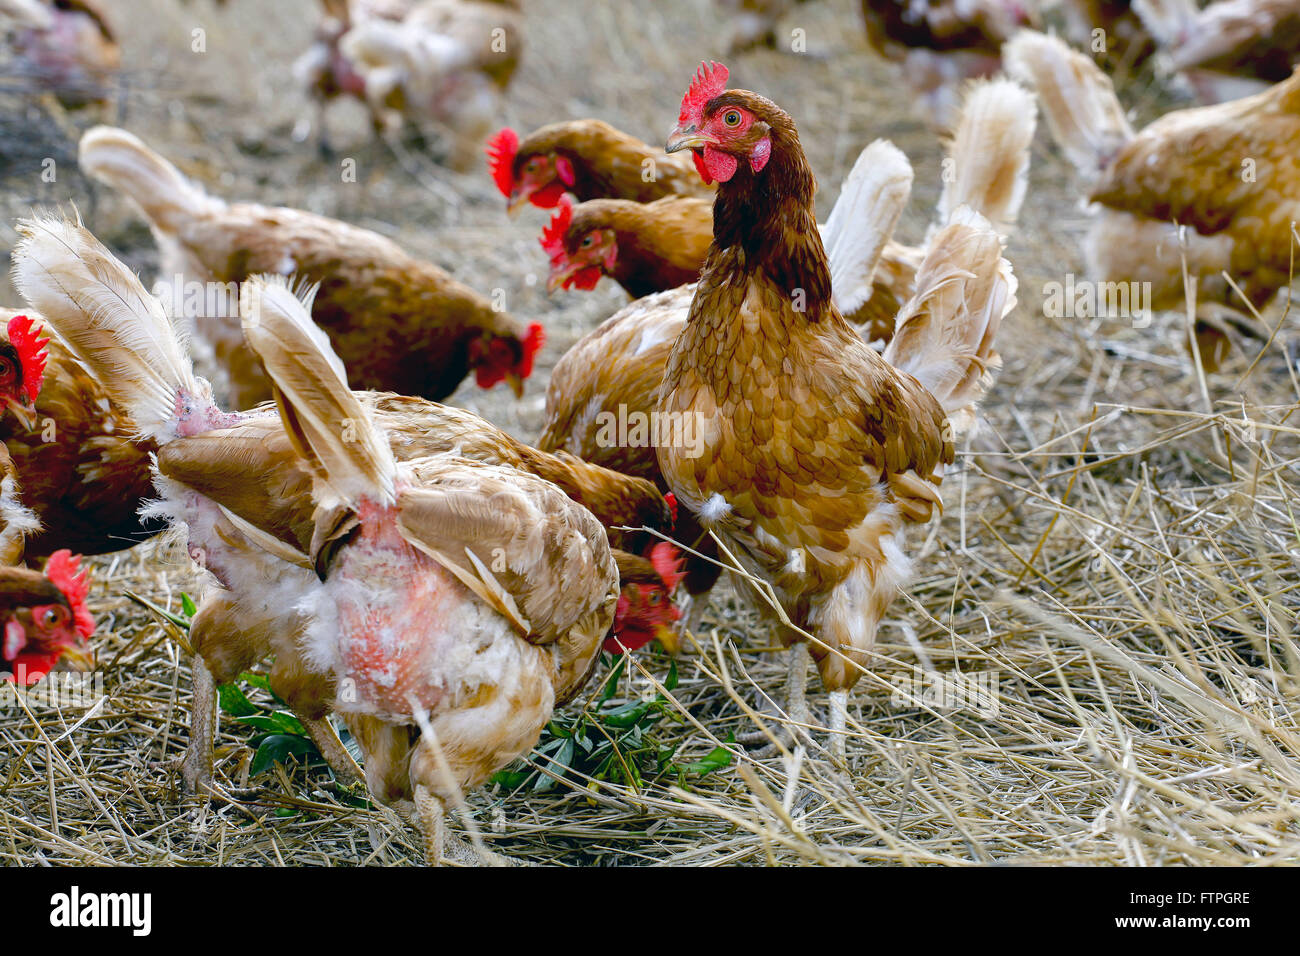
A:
(590, 159)
(74, 456)
(398, 323)
(816, 451)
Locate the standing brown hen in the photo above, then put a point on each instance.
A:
(399, 323)
(816, 451)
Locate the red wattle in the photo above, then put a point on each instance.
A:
(721, 166)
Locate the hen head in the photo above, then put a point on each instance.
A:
(721, 127)
(580, 249)
(645, 609)
(45, 619)
(509, 358)
(522, 176)
(22, 367)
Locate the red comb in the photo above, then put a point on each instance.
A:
(501, 150)
(33, 352)
(668, 562)
(553, 235)
(672, 505)
(710, 80)
(65, 573)
(533, 343)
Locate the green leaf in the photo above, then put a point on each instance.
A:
(260, 681)
(280, 721)
(627, 715)
(511, 779)
(611, 682)
(558, 765)
(278, 748)
(188, 607)
(285, 812)
(715, 759)
(671, 682)
(234, 702)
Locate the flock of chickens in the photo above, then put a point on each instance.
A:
(439, 586)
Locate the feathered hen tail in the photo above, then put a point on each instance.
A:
(1078, 99)
(117, 329)
(330, 430)
(121, 160)
(987, 164)
(945, 333)
(863, 220)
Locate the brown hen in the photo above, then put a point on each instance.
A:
(399, 323)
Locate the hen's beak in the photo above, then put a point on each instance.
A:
(668, 639)
(688, 138)
(560, 274)
(516, 384)
(24, 411)
(79, 657)
(518, 200)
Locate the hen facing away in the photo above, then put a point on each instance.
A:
(398, 323)
(817, 452)
(255, 518)
(1216, 185)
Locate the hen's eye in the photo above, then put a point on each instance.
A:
(531, 166)
(6, 369)
(587, 240)
(731, 117)
(52, 616)
(654, 598)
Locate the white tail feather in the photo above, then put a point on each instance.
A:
(118, 330)
(863, 220)
(328, 425)
(121, 160)
(945, 333)
(988, 158)
(1079, 102)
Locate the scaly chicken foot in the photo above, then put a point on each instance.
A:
(196, 765)
(441, 847)
(327, 741)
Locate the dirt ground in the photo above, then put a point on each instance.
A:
(1117, 546)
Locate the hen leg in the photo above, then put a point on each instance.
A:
(196, 766)
(331, 748)
(839, 725)
(796, 689)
